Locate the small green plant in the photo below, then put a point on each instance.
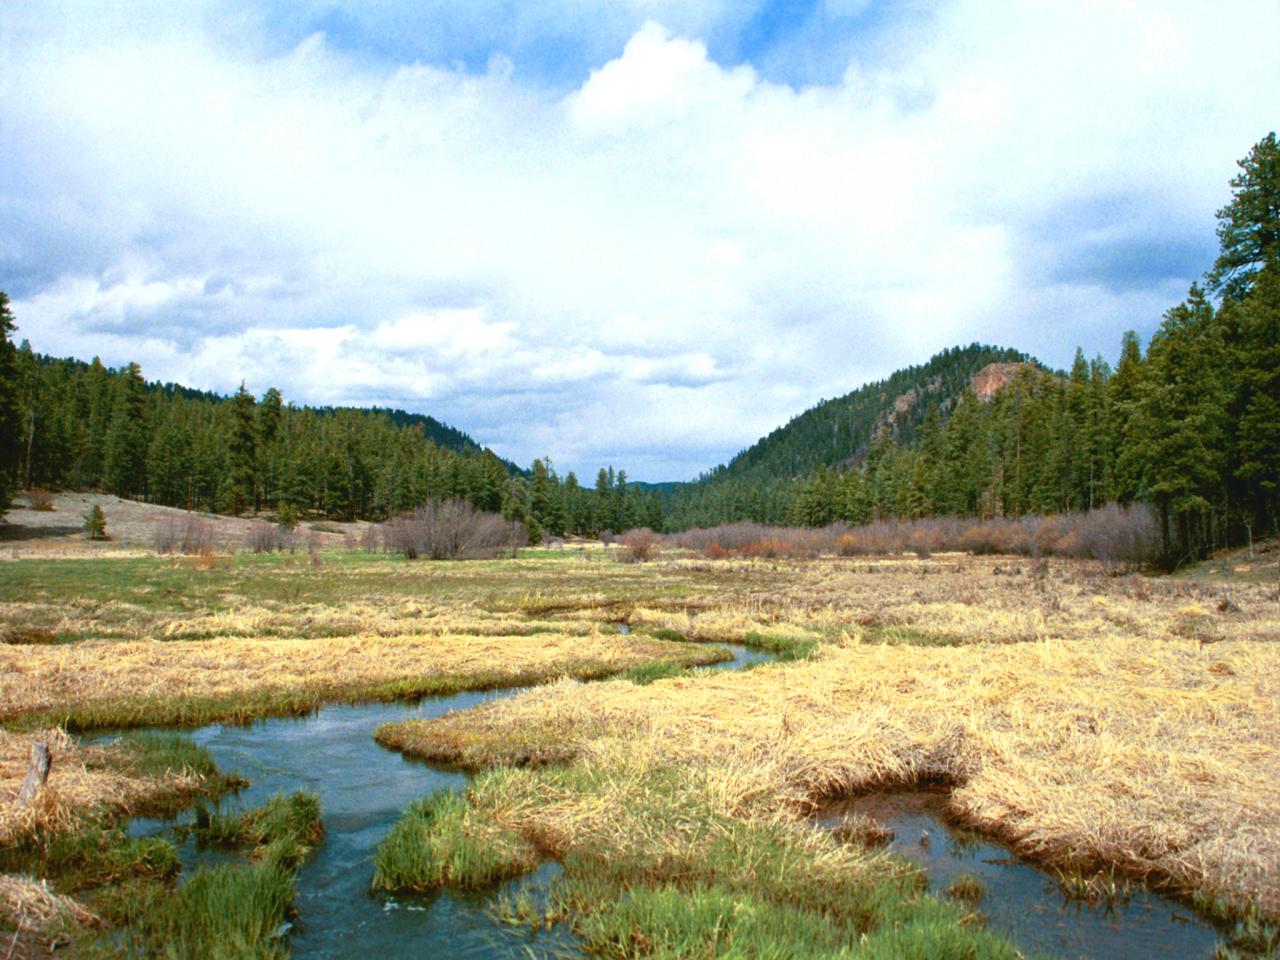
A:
(286, 516)
(95, 523)
(1103, 886)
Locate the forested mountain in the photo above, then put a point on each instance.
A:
(69, 424)
(833, 435)
(838, 433)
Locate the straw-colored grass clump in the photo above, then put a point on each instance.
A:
(146, 682)
(117, 779)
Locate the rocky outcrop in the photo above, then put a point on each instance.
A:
(992, 378)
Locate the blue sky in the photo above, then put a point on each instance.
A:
(639, 232)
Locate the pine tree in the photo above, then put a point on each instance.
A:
(1126, 391)
(10, 424)
(1256, 404)
(266, 450)
(1185, 415)
(125, 459)
(242, 450)
(1249, 226)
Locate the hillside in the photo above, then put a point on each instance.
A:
(837, 432)
(439, 433)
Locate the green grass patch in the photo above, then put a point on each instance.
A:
(692, 881)
(96, 854)
(782, 646)
(666, 633)
(646, 673)
(286, 826)
(225, 911)
(439, 842)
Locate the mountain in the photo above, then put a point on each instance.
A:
(837, 433)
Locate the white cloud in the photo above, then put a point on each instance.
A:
(661, 264)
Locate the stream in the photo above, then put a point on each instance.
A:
(364, 788)
(1025, 902)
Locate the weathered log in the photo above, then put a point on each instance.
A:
(37, 774)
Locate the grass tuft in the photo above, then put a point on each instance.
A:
(654, 670)
(438, 843)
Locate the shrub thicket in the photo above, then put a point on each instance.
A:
(451, 530)
(1120, 537)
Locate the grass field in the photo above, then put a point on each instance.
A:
(1093, 722)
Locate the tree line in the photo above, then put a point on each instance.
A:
(66, 424)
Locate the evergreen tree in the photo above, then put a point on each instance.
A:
(1249, 226)
(242, 450)
(1185, 416)
(10, 424)
(1126, 391)
(1256, 404)
(125, 459)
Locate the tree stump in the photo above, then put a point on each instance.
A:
(37, 774)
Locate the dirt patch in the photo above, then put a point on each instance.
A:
(131, 526)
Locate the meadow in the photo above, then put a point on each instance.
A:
(1102, 725)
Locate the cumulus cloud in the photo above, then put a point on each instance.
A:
(652, 264)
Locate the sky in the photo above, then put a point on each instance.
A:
(631, 232)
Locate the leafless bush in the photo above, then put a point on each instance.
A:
(187, 534)
(451, 530)
(41, 500)
(371, 538)
(1119, 537)
(264, 537)
(638, 545)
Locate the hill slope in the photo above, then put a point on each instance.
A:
(837, 432)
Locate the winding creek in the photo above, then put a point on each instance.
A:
(364, 788)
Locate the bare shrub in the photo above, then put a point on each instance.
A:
(186, 534)
(371, 538)
(451, 530)
(638, 545)
(41, 500)
(1120, 537)
(264, 537)
(1123, 538)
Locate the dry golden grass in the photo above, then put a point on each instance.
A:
(38, 917)
(78, 677)
(82, 779)
(1141, 728)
